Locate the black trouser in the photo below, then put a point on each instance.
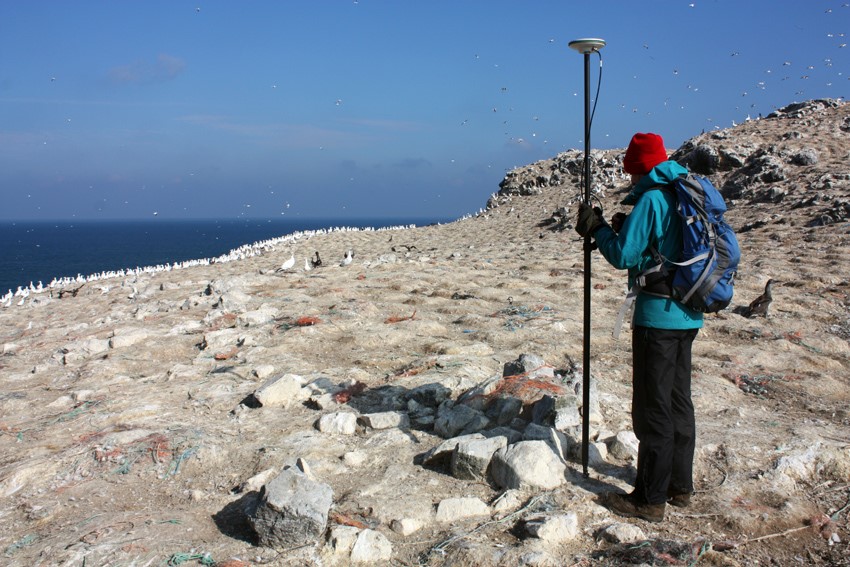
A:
(662, 412)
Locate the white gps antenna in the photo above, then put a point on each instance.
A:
(586, 46)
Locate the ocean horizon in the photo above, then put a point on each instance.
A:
(40, 251)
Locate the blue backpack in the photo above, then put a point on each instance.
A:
(704, 276)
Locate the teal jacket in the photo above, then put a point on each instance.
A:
(653, 221)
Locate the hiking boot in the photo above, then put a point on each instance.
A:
(626, 505)
(681, 500)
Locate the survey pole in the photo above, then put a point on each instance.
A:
(586, 46)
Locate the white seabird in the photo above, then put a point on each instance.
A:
(288, 264)
(349, 256)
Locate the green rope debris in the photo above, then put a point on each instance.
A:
(77, 411)
(181, 558)
(23, 542)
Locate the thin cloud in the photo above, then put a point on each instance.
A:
(164, 68)
(388, 125)
(288, 135)
(413, 163)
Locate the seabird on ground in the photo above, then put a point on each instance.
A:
(349, 256)
(317, 262)
(307, 266)
(288, 264)
(761, 304)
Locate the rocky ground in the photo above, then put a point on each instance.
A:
(149, 420)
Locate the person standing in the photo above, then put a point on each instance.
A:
(663, 331)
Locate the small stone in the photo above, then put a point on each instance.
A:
(442, 453)
(407, 526)
(341, 423)
(622, 533)
(302, 466)
(454, 509)
(624, 446)
(471, 457)
(355, 458)
(385, 420)
(280, 391)
(82, 395)
(567, 413)
(510, 500)
(553, 529)
(197, 495)
(458, 419)
(371, 547)
(263, 371)
(127, 337)
(341, 539)
(530, 365)
(256, 482)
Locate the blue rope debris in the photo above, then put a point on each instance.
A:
(183, 456)
(516, 316)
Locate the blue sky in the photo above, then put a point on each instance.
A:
(369, 108)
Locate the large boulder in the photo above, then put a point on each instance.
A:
(292, 510)
(528, 464)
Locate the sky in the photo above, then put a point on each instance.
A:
(369, 108)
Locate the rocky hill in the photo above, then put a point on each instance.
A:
(420, 405)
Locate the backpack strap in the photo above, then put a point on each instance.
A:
(625, 310)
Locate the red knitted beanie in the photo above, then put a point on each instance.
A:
(645, 152)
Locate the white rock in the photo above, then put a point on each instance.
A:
(624, 446)
(528, 464)
(443, 451)
(256, 482)
(263, 371)
(280, 391)
(342, 538)
(94, 346)
(800, 466)
(388, 438)
(341, 422)
(355, 458)
(385, 420)
(371, 547)
(622, 533)
(257, 317)
(82, 395)
(553, 529)
(454, 509)
(304, 467)
(127, 337)
(509, 500)
(471, 457)
(407, 526)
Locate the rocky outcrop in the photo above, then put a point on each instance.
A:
(795, 167)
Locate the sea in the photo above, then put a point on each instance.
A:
(33, 251)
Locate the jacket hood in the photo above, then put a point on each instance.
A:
(664, 173)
